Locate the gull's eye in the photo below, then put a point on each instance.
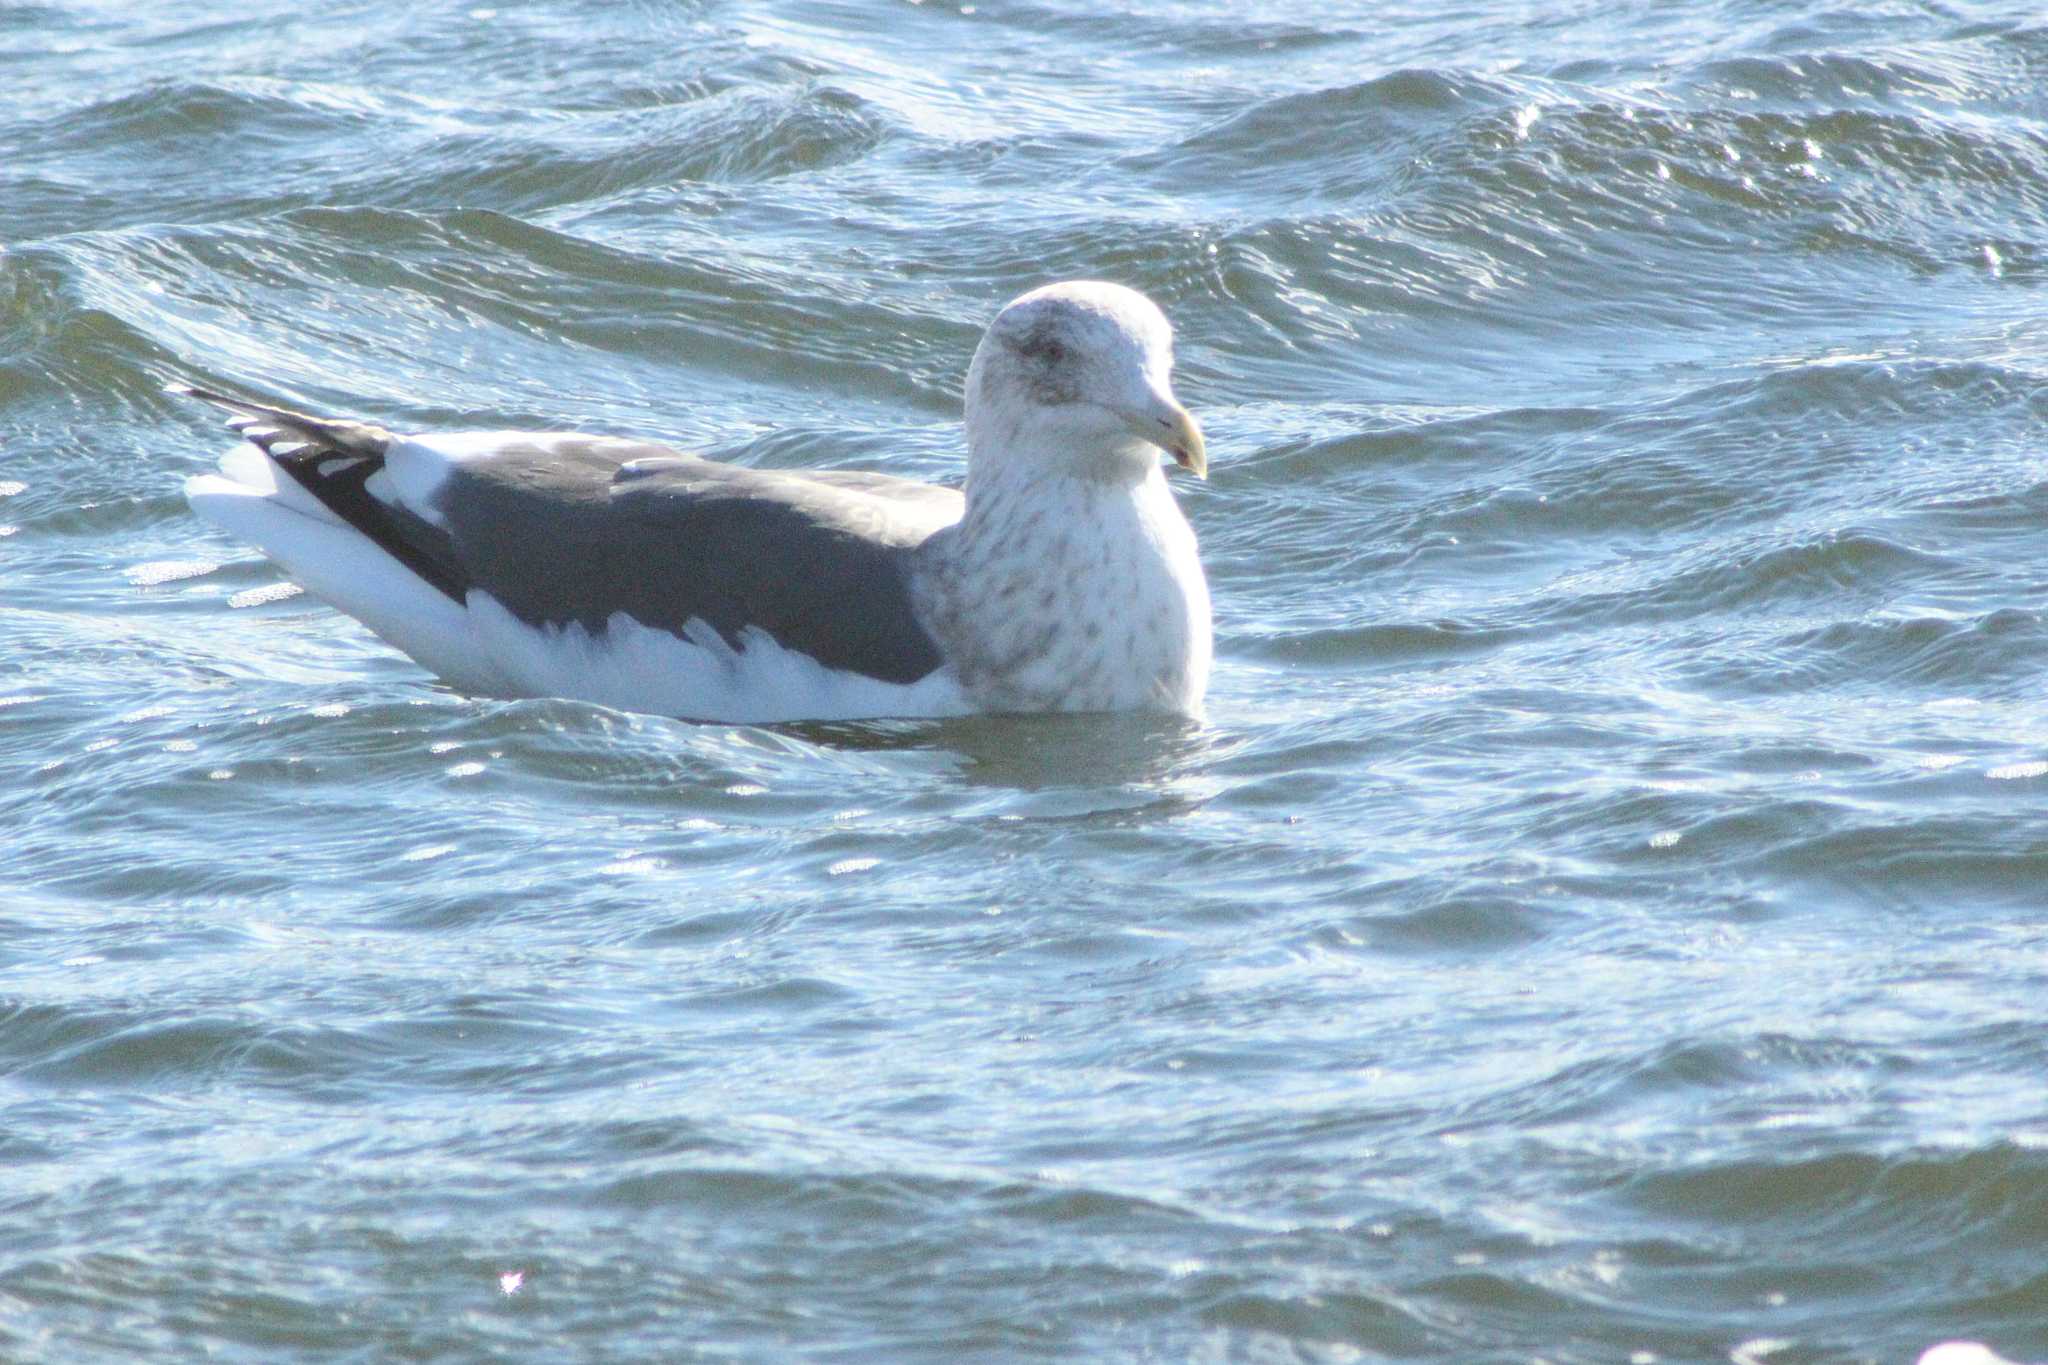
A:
(1054, 353)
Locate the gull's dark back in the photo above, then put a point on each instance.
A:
(572, 530)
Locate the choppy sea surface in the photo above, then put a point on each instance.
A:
(1604, 916)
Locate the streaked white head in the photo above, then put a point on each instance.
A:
(1076, 378)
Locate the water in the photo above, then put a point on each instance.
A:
(1599, 921)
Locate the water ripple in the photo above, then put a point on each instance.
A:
(1595, 922)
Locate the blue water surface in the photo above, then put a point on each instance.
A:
(1600, 919)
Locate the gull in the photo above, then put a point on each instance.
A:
(1061, 576)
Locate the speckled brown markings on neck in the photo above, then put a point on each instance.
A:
(1092, 616)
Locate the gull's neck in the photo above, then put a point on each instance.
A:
(1012, 455)
(1070, 585)
(1119, 521)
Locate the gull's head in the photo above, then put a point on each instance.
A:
(1077, 376)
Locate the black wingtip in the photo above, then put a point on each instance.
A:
(182, 390)
(355, 438)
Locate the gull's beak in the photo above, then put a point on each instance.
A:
(1166, 424)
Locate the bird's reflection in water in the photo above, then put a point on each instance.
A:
(1067, 764)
